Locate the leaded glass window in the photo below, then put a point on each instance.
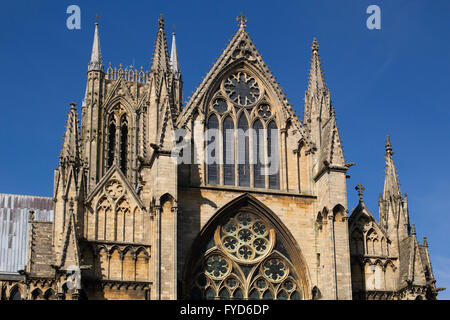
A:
(246, 261)
(259, 155)
(228, 151)
(273, 155)
(213, 167)
(241, 99)
(242, 89)
(243, 152)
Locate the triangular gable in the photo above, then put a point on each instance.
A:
(241, 48)
(360, 211)
(121, 84)
(115, 172)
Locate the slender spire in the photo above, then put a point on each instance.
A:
(316, 82)
(174, 57)
(161, 61)
(391, 184)
(70, 151)
(96, 63)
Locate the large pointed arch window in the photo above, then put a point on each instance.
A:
(242, 103)
(245, 257)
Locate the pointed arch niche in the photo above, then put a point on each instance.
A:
(245, 252)
(241, 107)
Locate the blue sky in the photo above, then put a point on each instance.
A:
(390, 81)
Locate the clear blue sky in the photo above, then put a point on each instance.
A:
(390, 81)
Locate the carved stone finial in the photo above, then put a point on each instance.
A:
(360, 188)
(315, 46)
(242, 21)
(161, 22)
(73, 106)
(425, 241)
(388, 147)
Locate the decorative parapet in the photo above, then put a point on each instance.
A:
(128, 74)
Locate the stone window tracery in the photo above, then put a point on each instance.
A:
(242, 111)
(243, 262)
(117, 138)
(242, 89)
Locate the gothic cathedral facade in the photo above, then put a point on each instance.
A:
(132, 223)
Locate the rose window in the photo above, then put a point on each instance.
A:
(245, 237)
(241, 261)
(242, 89)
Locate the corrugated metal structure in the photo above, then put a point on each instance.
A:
(14, 215)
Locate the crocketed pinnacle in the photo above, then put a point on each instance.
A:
(161, 61)
(316, 82)
(70, 151)
(391, 184)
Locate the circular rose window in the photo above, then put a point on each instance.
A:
(242, 89)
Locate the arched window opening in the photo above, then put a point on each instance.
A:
(36, 294)
(243, 152)
(211, 150)
(228, 151)
(123, 144)
(50, 295)
(259, 155)
(244, 258)
(15, 294)
(111, 140)
(273, 156)
(247, 159)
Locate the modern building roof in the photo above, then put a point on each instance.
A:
(14, 216)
